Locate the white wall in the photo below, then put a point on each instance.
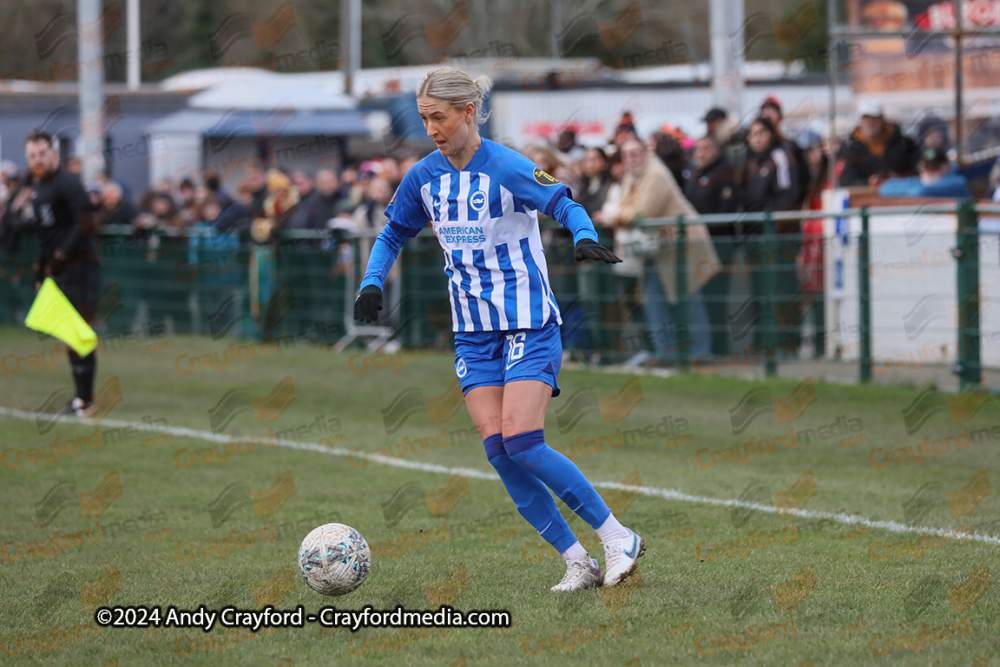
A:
(520, 117)
(913, 292)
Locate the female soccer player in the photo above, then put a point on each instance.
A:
(482, 200)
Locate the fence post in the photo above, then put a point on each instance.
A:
(968, 368)
(682, 335)
(865, 300)
(768, 320)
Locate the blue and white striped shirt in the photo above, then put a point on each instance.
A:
(485, 218)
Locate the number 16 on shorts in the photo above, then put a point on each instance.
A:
(515, 349)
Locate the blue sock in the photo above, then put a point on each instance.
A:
(560, 474)
(533, 500)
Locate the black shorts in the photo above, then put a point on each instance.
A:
(81, 283)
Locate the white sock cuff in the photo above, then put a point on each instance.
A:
(611, 529)
(575, 552)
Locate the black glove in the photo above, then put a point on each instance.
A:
(587, 249)
(367, 305)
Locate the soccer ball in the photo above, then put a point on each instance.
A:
(334, 559)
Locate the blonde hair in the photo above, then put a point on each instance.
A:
(457, 89)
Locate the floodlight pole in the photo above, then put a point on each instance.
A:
(132, 49)
(556, 7)
(832, 58)
(350, 41)
(726, 19)
(90, 49)
(959, 32)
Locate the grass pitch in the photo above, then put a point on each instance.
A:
(132, 510)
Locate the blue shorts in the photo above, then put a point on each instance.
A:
(494, 358)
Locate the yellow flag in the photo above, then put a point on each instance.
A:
(53, 314)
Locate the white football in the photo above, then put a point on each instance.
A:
(334, 559)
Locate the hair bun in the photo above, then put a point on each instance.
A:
(484, 83)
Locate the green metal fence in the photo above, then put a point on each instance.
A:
(302, 288)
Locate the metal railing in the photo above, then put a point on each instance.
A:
(182, 284)
(966, 252)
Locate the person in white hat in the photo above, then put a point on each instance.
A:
(876, 149)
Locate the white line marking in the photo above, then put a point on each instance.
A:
(666, 494)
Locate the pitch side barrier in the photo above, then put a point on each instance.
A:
(895, 288)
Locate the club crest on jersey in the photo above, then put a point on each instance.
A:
(478, 200)
(544, 179)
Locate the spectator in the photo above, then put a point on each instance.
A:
(713, 121)
(18, 212)
(215, 190)
(766, 185)
(544, 156)
(566, 144)
(933, 133)
(188, 202)
(714, 184)
(549, 160)
(712, 189)
(256, 181)
(167, 300)
(626, 273)
(649, 190)
(625, 129)
(771, 109)
(114, 209)
(817, 157)
(390, 172)
(307, 195)
(369, 217)
(212, 243)
(210, 211)
(876, 149)
(406, 164)
(8, 175)
(809, 262)
(668, 148)
(595, 182)
(630, 266)
(324, 205)
(244, 195)
(158, 214)
(938, 178)
(166, 186)
(725, 129)
(350, 187)
(614, 195)
(223, 218)
(766, 181)
(279, 206)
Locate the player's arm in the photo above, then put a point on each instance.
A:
(573, 217)
(544, 193)
(406, 218)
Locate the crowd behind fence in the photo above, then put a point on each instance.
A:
(923, 282)
(730, 259)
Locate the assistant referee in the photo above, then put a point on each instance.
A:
(67, 253)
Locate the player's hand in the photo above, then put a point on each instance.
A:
(587, 249)
(368, 303)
